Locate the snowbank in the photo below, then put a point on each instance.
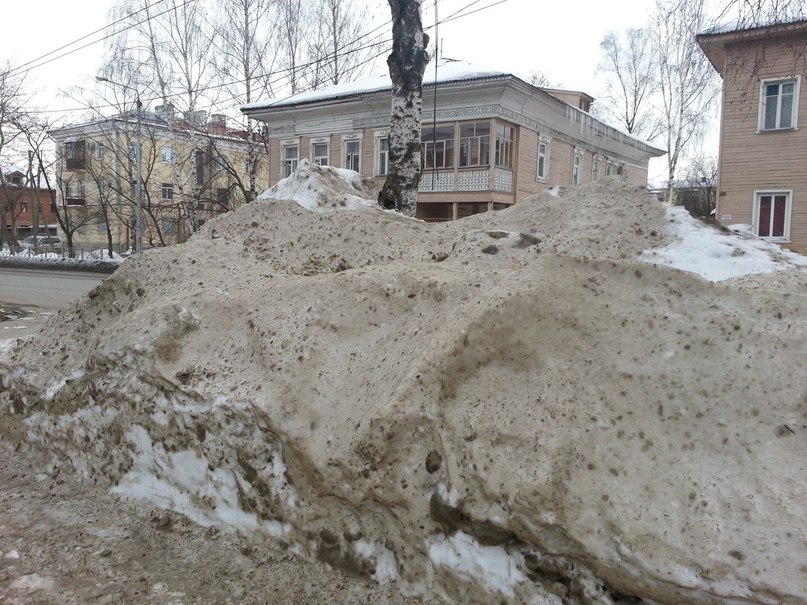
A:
(508, 408)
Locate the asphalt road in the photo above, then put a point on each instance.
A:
(28, 297)
(44, 288)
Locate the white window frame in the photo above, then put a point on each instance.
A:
(596, 168)
(99, 151)
(378, 153)
(289, 165)
(316, 159)
(167, 191)
(764, 83)
(167, 155)
(577, 167)
(788, 193)
(545, 141)
(347, 139)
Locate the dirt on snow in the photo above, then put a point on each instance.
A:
(357, 407)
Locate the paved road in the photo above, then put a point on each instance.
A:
(39, 294)
(42, 288)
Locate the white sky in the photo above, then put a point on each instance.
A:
(558, 38)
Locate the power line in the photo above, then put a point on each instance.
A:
(284, 74)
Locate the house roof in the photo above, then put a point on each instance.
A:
(448, 70)
(714, 41)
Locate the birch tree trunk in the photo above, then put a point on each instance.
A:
(407, 62)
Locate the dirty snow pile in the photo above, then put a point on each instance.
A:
(508, 408)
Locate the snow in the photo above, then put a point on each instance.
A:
(490, 565)
(716, 256)
(447, 71)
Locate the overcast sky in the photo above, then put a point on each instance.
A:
(561, 39)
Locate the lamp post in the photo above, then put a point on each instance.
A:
(138, 240)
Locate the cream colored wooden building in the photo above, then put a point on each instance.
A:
(763, 144)
(493, 139)
(193, 168)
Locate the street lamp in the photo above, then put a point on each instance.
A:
(138, 241)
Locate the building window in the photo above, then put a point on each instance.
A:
(543, 160)
(199, 164)
(99, 151)
(353, 155)
(779, 104)
(438, 147)
(133, 152)
(382, 156)
(74, 155)
(100, 225)
(81, 190)
(290, 158)
(102, 187)
(167, 155)
(475, 144)
(319, 153)
(504, 146)
(169, 226)
(23, 207)
(577, 168)
(595, 169)
(167, 191)
(771, 217)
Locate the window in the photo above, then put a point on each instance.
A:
(595, 169)
(74, 155)
(353, 155)
(167, 155)
(438, 147)
(100, 225)
(222, 196)
(169, 226)
(577, 168)
(99, 151)
(81, 190)
(133, 152)
(199, 164)
(23, 207)
(68, 190)
(779, 104)
(543, 159)
(319, 153)
(772, 215)
(504, 146)
(167, 191)
(475, 144)
(102, 187)
(290, 157)
(382, 155)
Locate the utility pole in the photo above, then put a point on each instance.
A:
(138, 239)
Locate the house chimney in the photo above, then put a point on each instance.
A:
(198, 118)
(165, 112)
(217, 119)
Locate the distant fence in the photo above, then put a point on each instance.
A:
(77, 259)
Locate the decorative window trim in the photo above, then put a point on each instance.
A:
(577, 166)
(288, 165)
(378, 135)
(547, 143)
(763, 84)
(167, 154)
(320, 141)
(596, 167)
(167, 191)
(788, 193)
(351, 138)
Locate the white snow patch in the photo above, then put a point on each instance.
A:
(182, 481)
(322, 189)
(386, 566)
(700, 248)
(496, 570)
(57, 386)
(12, 554)
(32, 582)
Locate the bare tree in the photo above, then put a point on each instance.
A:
(753, 13)
(686, 80)
(630, 61)
(292, 21)
(337, 51)
(540, 79)
(407, 63)
(699, 192)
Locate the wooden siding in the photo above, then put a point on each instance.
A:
(528, 183)
(560, 162)
(751, 160)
